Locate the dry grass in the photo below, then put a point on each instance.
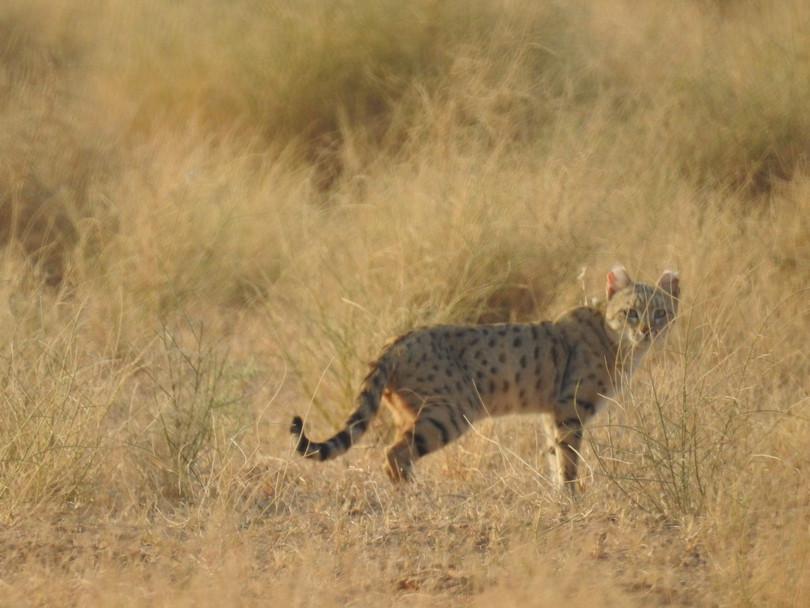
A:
(212, 214)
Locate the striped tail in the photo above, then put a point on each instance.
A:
(368, 404)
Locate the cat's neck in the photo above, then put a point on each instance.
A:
(628, 360)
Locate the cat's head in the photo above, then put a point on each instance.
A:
(639, 312)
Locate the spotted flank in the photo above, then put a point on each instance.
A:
(439, 380)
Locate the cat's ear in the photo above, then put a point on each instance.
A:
(617, 279)
(670, 283)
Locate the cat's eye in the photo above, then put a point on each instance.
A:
(632, 316)
(660, 315)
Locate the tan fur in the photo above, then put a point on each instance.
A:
(438, 380)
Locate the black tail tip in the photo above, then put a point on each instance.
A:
(304, 446)
(297, 426)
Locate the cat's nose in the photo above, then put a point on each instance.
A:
(645, 329)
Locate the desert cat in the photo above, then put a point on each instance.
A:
(438, 380)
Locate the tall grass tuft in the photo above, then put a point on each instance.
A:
(195, 406)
